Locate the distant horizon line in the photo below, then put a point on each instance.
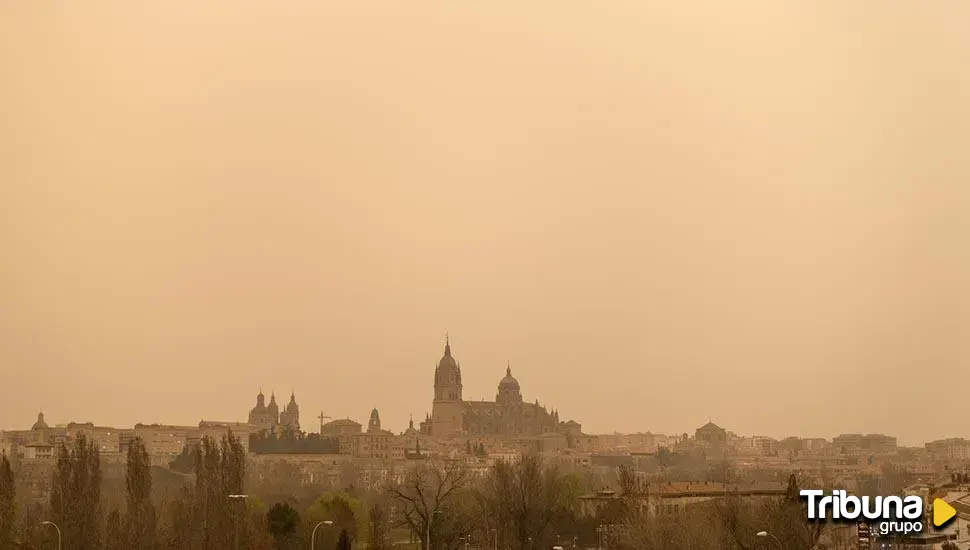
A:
(612, 433)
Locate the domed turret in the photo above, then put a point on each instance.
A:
(292, 407)
(273, 408)
(411, 430)
(40, 424)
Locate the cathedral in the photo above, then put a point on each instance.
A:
(269, 419)
(508, 415)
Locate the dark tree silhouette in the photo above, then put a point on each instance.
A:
(114, 536)
(525, 498)
(430, 501)
(343, 542)
(282, 521)
(140, 519)
(75, 497)
(7, 501)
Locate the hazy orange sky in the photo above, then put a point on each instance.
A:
(661, 213)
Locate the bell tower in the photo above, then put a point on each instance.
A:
(447, 377)
(447, 411)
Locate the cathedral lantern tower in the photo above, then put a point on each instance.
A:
(447, 377)
(447, 413)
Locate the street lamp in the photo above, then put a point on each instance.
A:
(767, 534)
(313, 533)
(235, 521)
(54, 525)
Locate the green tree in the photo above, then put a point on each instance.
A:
(282, 521)
(140, 520)
(8, 511)
(346, 513)
(75, 497)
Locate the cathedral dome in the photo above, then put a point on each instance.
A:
(40, 424)
(411, 430)
(509, 382)
(273, 407)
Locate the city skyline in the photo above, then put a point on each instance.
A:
(310, 422)
(755, 217)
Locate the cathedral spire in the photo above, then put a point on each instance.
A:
(508, 368)
(447, 346)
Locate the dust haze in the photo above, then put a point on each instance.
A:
(657, 215)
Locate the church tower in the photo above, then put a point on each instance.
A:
(447, 377)
(447, 412)
(290, 417)
(374, 424)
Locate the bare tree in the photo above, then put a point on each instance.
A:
(430, 500)
(526, 498)
(379, 527)
(784, 518)
(689, 529)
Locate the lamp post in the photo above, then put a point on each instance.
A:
(58, 529)
(235, 520)
(430, 519)
(313, 533)
(764, 534)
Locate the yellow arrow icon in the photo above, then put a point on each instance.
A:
(942, 512)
